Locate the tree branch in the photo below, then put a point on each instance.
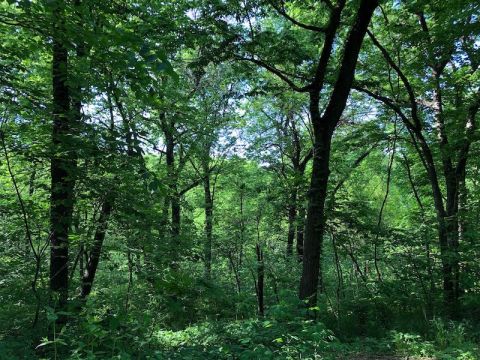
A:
(277, 72)
(470, 128)
(405, 81)
(283, 13)
(195, 183)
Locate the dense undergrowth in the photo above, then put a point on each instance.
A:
(284, 333)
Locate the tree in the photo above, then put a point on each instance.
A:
(64, 159)
(439, 114)
(281, 136)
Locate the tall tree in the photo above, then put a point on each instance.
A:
(323, 124)
(64, 158)
(439, 114)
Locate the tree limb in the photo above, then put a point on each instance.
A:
(283, 13)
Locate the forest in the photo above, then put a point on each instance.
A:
(240, 179)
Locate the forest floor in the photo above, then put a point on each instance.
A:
(242, 339)
(384, 357)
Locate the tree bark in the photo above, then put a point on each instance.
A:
(292, 217)
(208, 222)
(260, 280)
(173, 196)
(63, 164)
(462, 207)
(300, 230)
(315, 223)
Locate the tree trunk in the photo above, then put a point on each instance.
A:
(323, 128)
(300, 230)
(176, 217)
(92, 264)
(292, 217)
(450, 263)
(462, 207)
(449, 254)
(314, 227)
(208, 225)
(260, 281)
(173, 196)
(447, 224)
(63, 165)
(242, 225)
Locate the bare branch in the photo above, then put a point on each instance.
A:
(283, 13)
(406, 82)
(387, 101)
(277, 72)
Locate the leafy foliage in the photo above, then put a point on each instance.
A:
(186, 144)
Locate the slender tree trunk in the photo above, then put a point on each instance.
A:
(208, 223)
(447, 224)
(31, 191)
(300, 230)
(242, 225)
(260, 280)
(176, 217)
(292, 217)
(235, 271)
(162, 229)
(175, 227)
(130, 279)
(462, 207)
(63, 164)
(338, 269)
(173, 196)
(91, 267)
